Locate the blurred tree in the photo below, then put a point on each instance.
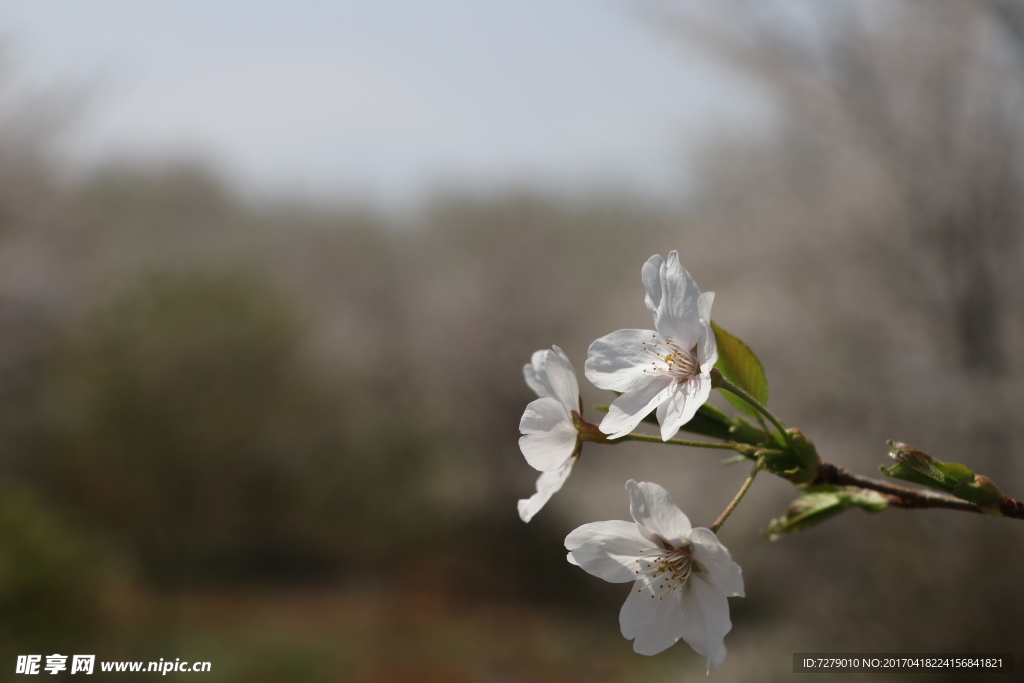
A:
(883, 213)
(180, 417)
(925, 98)
(51, 574)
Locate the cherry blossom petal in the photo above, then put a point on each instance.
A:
(707, 347)
(672, 298)
(680, 407)
(549, 436)
(652, 508)
(626, 412)
(562, 379)
(705, 619)
(704, 302)
(618, 361)
(652, 624)
(535, 375)
(608, 550)
(715, 562)
(548, 484)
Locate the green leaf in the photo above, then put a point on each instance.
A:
(819, 503)
(711, 413)
(982, 492)
(711, 422)
(744, 432)
(740, 366)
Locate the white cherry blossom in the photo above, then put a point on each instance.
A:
(667, 368)
(683, 576)
(552, 428)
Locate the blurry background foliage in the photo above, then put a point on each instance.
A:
(282, 437)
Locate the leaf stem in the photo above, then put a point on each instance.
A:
(678, 442)
(736, 501)
(718, 381)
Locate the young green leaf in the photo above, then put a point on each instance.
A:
(819, 503)
(740, 366)
(920, 468)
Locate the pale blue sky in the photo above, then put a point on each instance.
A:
(386, 99)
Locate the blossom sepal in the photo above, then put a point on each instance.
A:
(806, 455)
(797, 461)
(588, 431)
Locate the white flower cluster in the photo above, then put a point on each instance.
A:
(683, 576)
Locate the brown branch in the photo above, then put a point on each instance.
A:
(1011, 508)
(901, 496)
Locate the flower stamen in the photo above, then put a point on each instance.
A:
(668, 571)
(671, 359)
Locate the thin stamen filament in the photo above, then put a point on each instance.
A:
(673, 360)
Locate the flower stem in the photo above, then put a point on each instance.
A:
(677, 442)
(718, 381)
(736, 501)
